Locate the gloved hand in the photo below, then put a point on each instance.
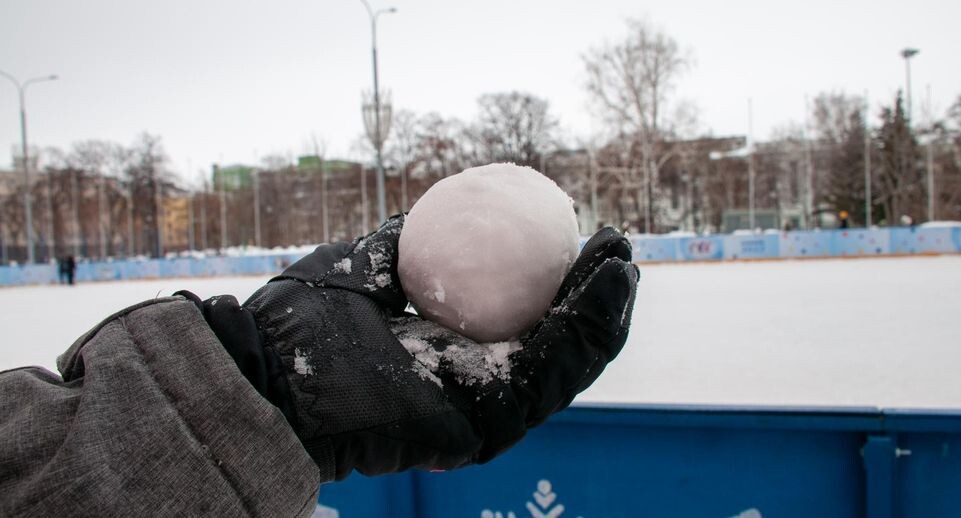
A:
(328, 342)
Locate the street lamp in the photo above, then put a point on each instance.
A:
(21, 89)
(907, 54)
(378, 133)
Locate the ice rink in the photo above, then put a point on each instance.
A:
(879, 332)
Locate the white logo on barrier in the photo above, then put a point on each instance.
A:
(542, 506)
(322, 511)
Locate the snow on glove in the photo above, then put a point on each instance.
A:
(367, 386)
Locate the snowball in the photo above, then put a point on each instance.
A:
(484, 252)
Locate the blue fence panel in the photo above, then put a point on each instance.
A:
(700, 248)
(673, 460)
(757, 246)
(177, 267)
(936, 240)
(652, 248)
(815, 243)
(861, 241)
(904, 240)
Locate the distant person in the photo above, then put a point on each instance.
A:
(906, 220)
(843, 217)
(70, 268)
(62, 269)
(179, 406)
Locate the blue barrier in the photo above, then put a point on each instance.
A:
(759, 246)
(667, 460)
(646, 248)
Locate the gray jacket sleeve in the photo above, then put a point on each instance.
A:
(151, 417)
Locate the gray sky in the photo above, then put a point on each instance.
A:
(235, 80)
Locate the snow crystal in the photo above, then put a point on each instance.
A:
(382, 280)
(301, 364)
(343, 266)
(378, 274)
(436, 349)
(485, 250)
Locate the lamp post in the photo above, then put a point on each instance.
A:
(907, 54)
(750, 163)
(21, 90)
(378, 137)
(867, 164)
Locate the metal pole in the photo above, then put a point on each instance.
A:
(867, 164)
(378, 137)
(27, 194)
(51, 239)
(648, 191)
(21, 90)
(256, 207)
(592, 166)
(363, 200)
(190, 222)
(907, 54)
(403, 188)
(809, 171)
(931, 193)
(323, 199)
(3, 243)
(100, 224)
(750, 163)
(131, 243)
(907, 82)
(158, 221)
(77, 231)
(203, 218)
(223, 208)
(379, 141)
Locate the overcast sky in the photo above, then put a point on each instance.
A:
(235, 80)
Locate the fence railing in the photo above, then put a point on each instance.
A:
(675, 460)
(800, 243)
(647, 248)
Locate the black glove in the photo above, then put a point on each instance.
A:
(322, 341)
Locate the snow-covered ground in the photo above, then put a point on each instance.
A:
(879, 332)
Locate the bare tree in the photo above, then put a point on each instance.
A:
(146, 174)
(631, 83)
(513, 127)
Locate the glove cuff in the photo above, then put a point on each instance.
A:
(237, 331)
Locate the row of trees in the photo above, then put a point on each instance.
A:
(651, 169)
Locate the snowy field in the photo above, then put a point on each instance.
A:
(878, 332)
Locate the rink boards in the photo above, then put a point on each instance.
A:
(647, 248)
(704, 461)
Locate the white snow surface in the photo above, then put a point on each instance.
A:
(483, 252)
(877, 332)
